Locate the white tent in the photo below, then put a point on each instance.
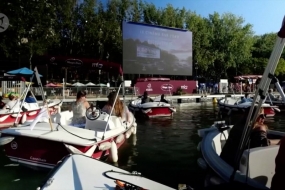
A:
(90, 84)
(78, 84)
(101, 84)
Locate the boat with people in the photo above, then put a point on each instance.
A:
(18, 110)
(238, 105)
(83, 172)
(158, 107)
(251, 169)
(247, 151)
(47, 139)
(43, 144)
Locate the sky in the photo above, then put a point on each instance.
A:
(265, 15)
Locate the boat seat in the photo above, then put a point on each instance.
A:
(260, 162)
(99, 125)
(64, 118)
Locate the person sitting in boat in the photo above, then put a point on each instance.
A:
(259, 137)
(2, 104)
(145, 98)
(120, 110)
(29, 98)
(271, 96)
(162, 99)
(79, 109)
(245, 99)
(13, 103)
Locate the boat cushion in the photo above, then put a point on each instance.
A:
(260, 162)
(100, 125)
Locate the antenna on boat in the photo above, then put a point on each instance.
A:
(263, 87)
(43, 96)
(103, 137)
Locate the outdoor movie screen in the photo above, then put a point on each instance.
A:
(149, 49)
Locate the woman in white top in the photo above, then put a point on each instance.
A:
(79, 109)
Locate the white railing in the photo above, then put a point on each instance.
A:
(91, 91)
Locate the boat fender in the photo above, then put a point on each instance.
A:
(128, 133)
(132, 129)
(120, 138)
(58, 109)
(135, 129)
(215, 100)
(134, 140)
(113, 152)
(201, 162)
(173, 109)
(24, 118)
(105, 146)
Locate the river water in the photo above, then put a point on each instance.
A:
(164, 150)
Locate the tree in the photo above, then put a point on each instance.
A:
(231, 42)
(30, 32)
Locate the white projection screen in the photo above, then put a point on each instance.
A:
(150, 49)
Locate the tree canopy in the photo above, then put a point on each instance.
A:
(223, 45)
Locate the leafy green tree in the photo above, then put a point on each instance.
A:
(31, 29)
(231, 42)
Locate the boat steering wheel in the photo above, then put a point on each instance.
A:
(93, 113)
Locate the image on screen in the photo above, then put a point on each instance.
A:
(149, 49)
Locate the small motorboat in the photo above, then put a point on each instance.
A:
(82, 172)
(38, 145)
(152, 109)
(252, 170)
(279, 103)
(17, 115)
(233, 105)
